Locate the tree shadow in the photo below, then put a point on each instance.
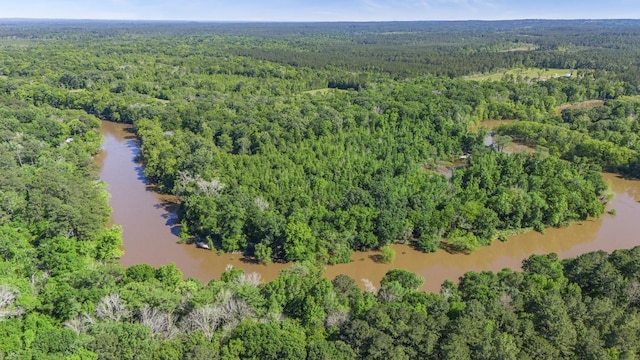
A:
(453, 249)
(131, 134)
(134, 147)
(250, 260)
(170, 216)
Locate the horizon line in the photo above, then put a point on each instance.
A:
(307, 21)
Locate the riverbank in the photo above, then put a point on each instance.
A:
(150, 231)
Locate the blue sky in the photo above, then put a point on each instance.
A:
(320, 10)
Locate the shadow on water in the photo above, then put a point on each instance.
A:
(170, 216)
(134, 146)
(125, 150)
(129, 133)
(142, 178)
(251, 260)
(175, 230)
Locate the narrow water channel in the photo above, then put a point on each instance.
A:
(150, 231)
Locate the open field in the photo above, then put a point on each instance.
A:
(322, 91)
(522, 47)
(581, 105)
(522, 74)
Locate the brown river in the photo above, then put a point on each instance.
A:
(150, 231)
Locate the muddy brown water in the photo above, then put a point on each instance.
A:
(150, 231)
(149, 228)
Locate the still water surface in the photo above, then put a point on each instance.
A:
(150, 231)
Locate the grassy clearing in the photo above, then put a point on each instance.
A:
(522, 74)
(581, 105)
(322, 91)
(521, 47)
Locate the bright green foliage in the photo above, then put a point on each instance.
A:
(11, 339)
(603, 135)
(338, 350)
(110, 244)
(315, 175)
(299, 242)
(547, 265)
(140, 272)
(284, 340)
(121, 340)
(263, 253)
(231, 120)
(387, 254)
(60, 255)
(169, 276)
(406, 279)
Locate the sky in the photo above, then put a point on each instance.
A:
(320, 10)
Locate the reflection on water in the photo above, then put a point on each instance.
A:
(150, 231)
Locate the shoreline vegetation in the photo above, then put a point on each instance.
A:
(264, 168)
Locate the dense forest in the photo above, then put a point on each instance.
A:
(304, 143)
(602, 135)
